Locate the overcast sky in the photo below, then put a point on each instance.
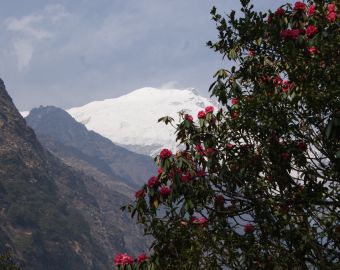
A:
(70, 52)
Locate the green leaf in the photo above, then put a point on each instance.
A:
(213, 10)
(166, 119)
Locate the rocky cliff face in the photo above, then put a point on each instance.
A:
(50, 214)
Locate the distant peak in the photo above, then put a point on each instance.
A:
(162, 90)
(48, 108)
(49, 111)
(194, 91)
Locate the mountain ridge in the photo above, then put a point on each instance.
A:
(52, 123)
(52, 216)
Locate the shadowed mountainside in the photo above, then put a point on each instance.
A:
(89, 151)
(52, 216)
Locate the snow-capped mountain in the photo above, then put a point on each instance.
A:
(24, 113)
(131, 120)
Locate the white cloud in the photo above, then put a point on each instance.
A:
(170, 85)
(56, 12)
(24, 52)
(31, 30)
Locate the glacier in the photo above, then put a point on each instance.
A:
(131, 120)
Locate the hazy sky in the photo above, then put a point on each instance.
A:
(70, 52)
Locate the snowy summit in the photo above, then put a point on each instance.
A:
(131, 120)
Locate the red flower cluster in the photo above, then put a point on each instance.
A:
(142, 258)
(277, 81)
(165, 191)
(200, 173)
(280, 12)
(230, 146)
(140, 194)
(286, 86)
(285, 155)
(311, 30)
(248, 228)
(123, 259)
(302, 146)
(153, 182)
(219, 199)
(313, 50)
(210, 151)
(299, 6)
(165, 153)
(199, 221)
(234, 101)
(160, 170)
(251, 53)
(209, 109)
(201, 114)
(331, 14)
(185, 177)
(234, 115)
(290, 34)
(199, 149)
(311, 10)
(270, 18)
(189, 117)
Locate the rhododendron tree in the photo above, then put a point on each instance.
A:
(256, 184)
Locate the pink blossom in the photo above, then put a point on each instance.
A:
(209, 109)
(185, 177)
(248, 228)
(160, 170)
(313, 50)
(280, 12)
(331, 7)
(288, 34)
(277, 81)
(251, 53)
(270, 18)
(311, 30)
(123, 259)
(331, 16)
(140, 194)
(153, 182)
(311, 10)
(234, 101)
(299, 6)
(165, 153)
(199, 221)
(200, 173)
(199, 149)
(201, 114)
(230, 146)
(165, 191)
(189, 117)
(286, 86)
(142, 258)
